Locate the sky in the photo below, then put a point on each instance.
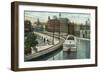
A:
(43, 16)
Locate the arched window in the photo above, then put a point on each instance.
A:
(71, 38)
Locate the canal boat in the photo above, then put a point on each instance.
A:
(70, 43)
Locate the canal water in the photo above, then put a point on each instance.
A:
(83, 52)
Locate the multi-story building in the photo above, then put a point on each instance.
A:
(53, 25)
(85, 30)
(57, 24)
(64, 22)
(77, 30)
(71, 28)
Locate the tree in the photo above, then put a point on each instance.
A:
(30, 43)
(27, 26)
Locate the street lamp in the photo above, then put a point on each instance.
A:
(53, 30)
(59, 24)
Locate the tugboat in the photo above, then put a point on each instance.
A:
(70, 43)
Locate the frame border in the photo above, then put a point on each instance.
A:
(15, 34)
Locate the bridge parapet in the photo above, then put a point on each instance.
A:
(46, 51)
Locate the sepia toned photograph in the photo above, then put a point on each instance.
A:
(56, 35)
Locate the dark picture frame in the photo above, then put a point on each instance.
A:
(15, 35)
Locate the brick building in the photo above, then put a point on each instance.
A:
(53, 25)
(57, 24)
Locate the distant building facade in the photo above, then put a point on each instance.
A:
(39, 26)
(64, 22)
(71, 28)
(53, 25)
(27, 26)
(57, 24)
(77, 30)
(85, 29)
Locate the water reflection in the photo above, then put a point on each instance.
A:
(69, 55)
(83, 52)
